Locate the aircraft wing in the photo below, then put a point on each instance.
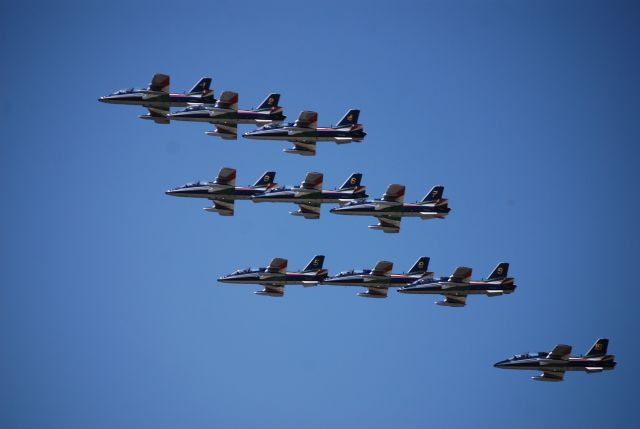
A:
(453, 301)
(343, 140)
(460, 275)
(549, 376)
(302, 147)
(271, 290)
(308, 211)
(389, 224)
(228, 131)
(375, 292)
(561, 351)
(159, 83)
(223, 208)
(157, 115)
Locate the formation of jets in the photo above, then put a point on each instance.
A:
(200, 105)
(378, 280)
(553, 364)
(310, 195)
(304, 133)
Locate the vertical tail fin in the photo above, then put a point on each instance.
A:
(202, 87)
(315, 264)
(599, 348)
(266, 181)
(434, 195)
(421, 266)
(499, 272)
(270, 102)
(350, 118)
(352, 182)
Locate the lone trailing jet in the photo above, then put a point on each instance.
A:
(379, 279)
(304, 132)
(275, 277)
(553, 364)
(391, 208)
(157, 98)
(456, 287)
(226, 116)
(223, 190)
(310, 195)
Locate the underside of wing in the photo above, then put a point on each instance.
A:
(304, 148)
(375, 292)
(271, 290)
(343, 140)
(549, 376)
(223, 208)
(453, 301)
(388, 224)
(228, 131)
(157, 115)
(308, 211)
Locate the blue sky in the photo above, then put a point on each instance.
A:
(110, 314)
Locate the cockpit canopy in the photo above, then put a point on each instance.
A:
(194, 184)
(530, 355)
(352, 273)
(355, 202)
(127, 91)
(248, 270)
(196, 108)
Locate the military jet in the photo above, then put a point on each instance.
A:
(223, 191)
(275, 277)
(456, 287)
(310, 195)
(391, 208)
(304, 132)
(226, 116)
(379, 279)
(553, 364)
(157, 98)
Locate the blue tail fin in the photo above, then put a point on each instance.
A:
(499, 272)
(599, 348)
(315, 264)
(349, 119)
(421, 266)
(266, 180)
(434, 195)
(201, 87)
(270, 102)
(352, 182)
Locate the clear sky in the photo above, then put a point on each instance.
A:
(110, 313)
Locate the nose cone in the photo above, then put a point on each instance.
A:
(250, 135)
(103, 99)
(223, 279)
(502, 364)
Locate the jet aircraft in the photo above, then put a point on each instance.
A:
(275, 277)
(456, 287)
(223, 191)
(379, 279)
(226, 116)
(553, 364)
(157, 98)
(304, 132)
(391, 208)
(310, 195)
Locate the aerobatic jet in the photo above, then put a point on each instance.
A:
(310, 195)
(379, 279)
(456, 287)
(226, 116)
(553, 364)
(223, 191)
(275, 277)
(304, 132)
(157, 98)
(390, 209)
